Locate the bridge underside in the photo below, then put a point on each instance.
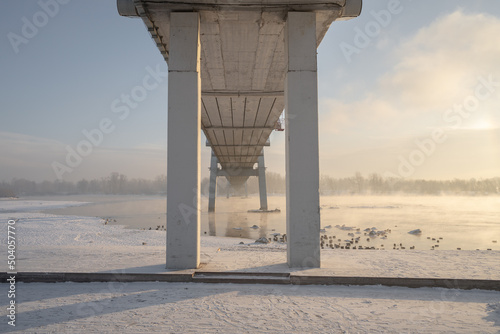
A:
(233, 66)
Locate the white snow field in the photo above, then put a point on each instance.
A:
(48, 243)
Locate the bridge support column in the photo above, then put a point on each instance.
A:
(262, 182)
(212, 188)
(183, 158)
(302, 153)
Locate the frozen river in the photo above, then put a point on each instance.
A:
(462, 222)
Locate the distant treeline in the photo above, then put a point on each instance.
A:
(376, 184)
(358, 184)
(115, 183)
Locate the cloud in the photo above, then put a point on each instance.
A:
(19, 149)
(441, 64)
(433, 70)
(339, 115)
(436, 68)
(464, 154)
(29, 142)
(25, 156)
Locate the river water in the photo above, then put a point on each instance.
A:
(462, 222)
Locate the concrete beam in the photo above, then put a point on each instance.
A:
(302, 153)
(227, 93)
(266, 144)
(240, 155)
(238, 172)
(239, 128)
(183, 160)
(207, 144)
(125, 6)
(352, 9)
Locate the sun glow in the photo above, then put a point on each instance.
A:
(483, 124)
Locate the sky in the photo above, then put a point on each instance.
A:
(409, 89)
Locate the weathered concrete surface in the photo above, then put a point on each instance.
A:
(302, 150)
(183, 159)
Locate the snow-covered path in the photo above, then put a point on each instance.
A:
(233, 308)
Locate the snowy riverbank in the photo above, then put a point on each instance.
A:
(68, 243)
(52, 243)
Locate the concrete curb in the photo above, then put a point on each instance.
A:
(465, 284)
(252, 278)
(46, 277)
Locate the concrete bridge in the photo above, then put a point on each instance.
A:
(234, 66)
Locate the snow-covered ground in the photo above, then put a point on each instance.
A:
(79, 244)
(234, 308)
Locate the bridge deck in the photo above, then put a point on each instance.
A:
(243, 64)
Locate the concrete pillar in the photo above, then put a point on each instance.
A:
(183, 158)
(262, 182)
(212, 226)
(212, 188)
(302, 157)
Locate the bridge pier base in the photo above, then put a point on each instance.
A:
(212, 188)
(183, 160)
(302, 151)
(262, 182)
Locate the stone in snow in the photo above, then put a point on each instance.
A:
(262, 240)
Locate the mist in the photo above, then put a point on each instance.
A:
(358, 184)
